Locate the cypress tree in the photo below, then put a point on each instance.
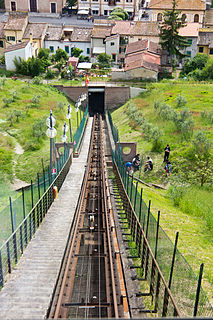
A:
(169, 33)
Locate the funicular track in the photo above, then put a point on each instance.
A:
(91, 282)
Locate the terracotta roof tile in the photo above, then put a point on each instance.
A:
(38, 30)
(143, 45)
(16, 21)
(101, 32)
(53, 33)
(16, 46)
(115, 36)
(81, 34)
(142, 59)
(122, 27)
(146, 28)
(181, 4)
(190, 30)
(2, 33)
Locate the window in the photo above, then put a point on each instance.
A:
(211, 51)
(95, 12)
(128, 0)
(13, 5)
(189, 42)
(112, 43)
(113, 57)
(120, 50)
(159, 17)
(53, 7)
(9, 38)
(183, 18)
(88, 50)
(105, 12)
(200, 49)
(188, 53)
(103, 40)
(1, 44)
(51, 49)
(196, 18)
(67, 49)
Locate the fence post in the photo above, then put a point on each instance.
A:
(44, 180)
(39, 192)
(140, 211)
(147, 224)
(198, 290)
(165, 301)
(136, 190)
(157, 231)
(8, 257)
(23, 202)
(1, 272)
(11, 215)
(31, 193)
(131, 190)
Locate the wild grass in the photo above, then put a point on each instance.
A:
(193, 216)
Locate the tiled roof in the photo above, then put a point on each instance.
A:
(81, 34)
(112, 37)
(2, 34)
(53, 33)
(37, 29)
(190, 30)
(101, 32)
(208, 20)
(146, 28)
(181, 4)
(16, 21)
(122, 27)
(142, 59)
(143, 45)
(16, 46)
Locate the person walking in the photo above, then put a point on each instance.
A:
(167, 152)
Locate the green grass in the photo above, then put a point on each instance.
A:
(193, 217)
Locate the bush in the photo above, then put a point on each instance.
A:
(198, 62)
(50, 74)
(181, 101)
(37, 80)
(7, 101)
(36, 99)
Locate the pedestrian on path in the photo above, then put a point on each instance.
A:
(167, 152)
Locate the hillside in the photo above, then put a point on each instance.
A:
(24, 108)
(185, 206)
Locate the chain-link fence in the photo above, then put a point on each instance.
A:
(183, 283)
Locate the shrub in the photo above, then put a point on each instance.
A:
(36, 99)
(14, 95)
(60, 106)
(39, 129)
(37, 80)
(198, 62)
(7, 101)
(50, 74)
(181, 101)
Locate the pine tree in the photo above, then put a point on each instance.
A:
(169, 33)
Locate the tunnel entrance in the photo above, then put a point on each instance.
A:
(96, 101)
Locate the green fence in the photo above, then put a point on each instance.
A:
(78, 136)
(29, 196)
(184, 283)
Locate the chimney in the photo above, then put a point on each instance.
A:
(31, 38)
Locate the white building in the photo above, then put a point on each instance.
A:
(23, 50)
(67, 38)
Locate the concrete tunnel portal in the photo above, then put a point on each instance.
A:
(96, 101)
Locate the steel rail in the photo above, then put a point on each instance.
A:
(95, 197)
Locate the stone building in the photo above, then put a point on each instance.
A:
(41, 6)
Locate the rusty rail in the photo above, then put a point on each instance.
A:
(91, 283)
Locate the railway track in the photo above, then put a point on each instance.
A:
(91, 281)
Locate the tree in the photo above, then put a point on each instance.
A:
(71, 3)
(60, 54)
(169, 36)
(104, 60)
(38, 129)
(198, 62)
(118, 14)
(76, 52)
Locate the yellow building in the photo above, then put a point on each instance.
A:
(15, 27)
(205, 41)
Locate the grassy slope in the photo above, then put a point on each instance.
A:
(29, 163)
(195, 239)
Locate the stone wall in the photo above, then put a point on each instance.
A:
(114, 96)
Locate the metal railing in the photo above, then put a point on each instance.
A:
(184, 285)
(78, 136)
(13, 248)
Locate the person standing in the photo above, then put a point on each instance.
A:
(167, 152)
